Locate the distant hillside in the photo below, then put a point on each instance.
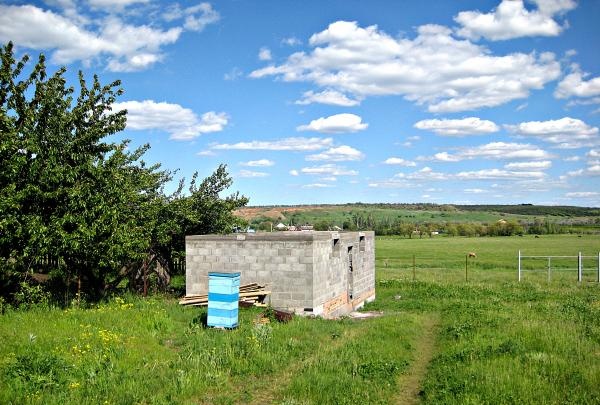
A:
(529, 209)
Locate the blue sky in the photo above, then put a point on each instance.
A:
(345, 101)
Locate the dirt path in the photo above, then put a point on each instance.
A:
(411, 382)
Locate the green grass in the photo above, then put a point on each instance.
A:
(496, 341)
(442, 259)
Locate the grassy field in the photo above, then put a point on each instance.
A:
(441, 339)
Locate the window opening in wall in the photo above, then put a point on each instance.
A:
(335, 251)
(361, 243)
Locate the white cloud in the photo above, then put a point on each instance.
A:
(434, 69)
(70, 37)
(592, 169)
(475, 190)
(329, 170)
(459, 127)
(264, 54)
(399, 162)
(572, 159)
(252, 174)
(575, 85)
(289, 144)
(317, 185)
(391, 183)
(331, 97)
(493, 150)
(335, 124)
(566, 133)
(541, 165)
(258, 163)
(294, 172)
(521, 107)
(199, 16)
(582, 194)
(291, 41)
(446, 157)
(497, 174)
(206, 153)
(329, 178)
(425, 173)
(180, 122)
(338, 154)
(234, 74)
(114, 4)
(593, 153)
(512, 20)
(406, 180)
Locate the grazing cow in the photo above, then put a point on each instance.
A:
(471, 254)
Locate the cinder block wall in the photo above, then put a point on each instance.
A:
(283, 263)
(364, 271)
(302, 269)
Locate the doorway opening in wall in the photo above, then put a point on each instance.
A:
(350, 272)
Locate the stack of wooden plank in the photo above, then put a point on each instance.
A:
(252, 294)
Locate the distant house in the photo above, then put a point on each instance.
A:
(281, 227)
(292, 228)
(306, 227)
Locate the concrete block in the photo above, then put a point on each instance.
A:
(284, 267)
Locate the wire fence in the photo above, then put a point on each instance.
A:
(555, 263)
(460, 268)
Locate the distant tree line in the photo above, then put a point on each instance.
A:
(94, 206)
(361, 221)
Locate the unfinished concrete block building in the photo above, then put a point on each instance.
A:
(320, 273)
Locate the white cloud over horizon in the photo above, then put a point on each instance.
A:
(341, 153)
(434, 69)
(335, 124)
(264, 54)
(512, 20)
(285, 144)
(494, 151)
(328, 170)
(252, 174)
(179, 122)
(123, 47)
(330, 97)
(258, 163)
(565, 133)
(541, 165)
(399, 161)
(577, 85)
(458, 127)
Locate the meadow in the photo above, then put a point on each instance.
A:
(439, 339)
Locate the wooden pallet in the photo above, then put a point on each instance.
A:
(252, 294)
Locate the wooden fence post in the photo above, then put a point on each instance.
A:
(579, 268)
(519, 268)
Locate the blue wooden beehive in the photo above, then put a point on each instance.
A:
(223, 296)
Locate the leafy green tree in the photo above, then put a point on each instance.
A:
(66, 192)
